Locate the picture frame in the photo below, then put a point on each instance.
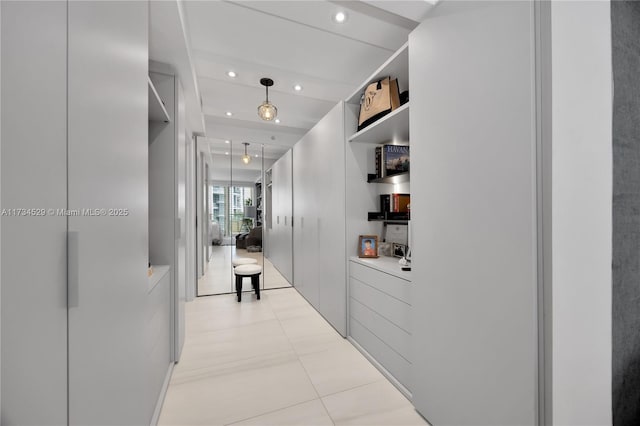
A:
(368, 246)
(399, 250)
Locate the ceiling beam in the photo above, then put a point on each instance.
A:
(240, 4)
(377, 13)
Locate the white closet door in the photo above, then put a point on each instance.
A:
(108, 169)
(286, 200)
(329, 191)
(305, 234)
(473, 205)
(34, 168)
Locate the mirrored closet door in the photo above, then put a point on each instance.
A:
(236, 206)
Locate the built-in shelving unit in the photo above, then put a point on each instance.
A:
(379, 291)
(157, 110)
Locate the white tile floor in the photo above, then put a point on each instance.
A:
(275, 362)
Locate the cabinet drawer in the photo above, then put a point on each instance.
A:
(392, 309)
(399, 367)
(396, 338)
(386, 283)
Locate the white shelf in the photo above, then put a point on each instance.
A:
(397, 66)
(157, 111)
(159, 271)
(393, 127)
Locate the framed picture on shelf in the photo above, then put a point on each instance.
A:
(399, 250)
(368, 246)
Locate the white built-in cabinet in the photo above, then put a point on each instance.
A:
(319, 225)
(379, 291)
(280, 233)
(473, 129)
(76, 299)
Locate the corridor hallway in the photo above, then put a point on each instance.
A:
(275, 361)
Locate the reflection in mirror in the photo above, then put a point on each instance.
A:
(237, 208)
(216, 278)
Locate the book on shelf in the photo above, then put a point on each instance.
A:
(395, 203)
(392, 160)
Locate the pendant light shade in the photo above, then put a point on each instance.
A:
(267, 111)
(246, 158)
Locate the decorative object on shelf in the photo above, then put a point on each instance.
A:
(392, 160)
(379, 99)
(368, 246)
(246, 158)
(396, 233)
(385, 249)
(399, 250)
(267, 111)
(404, 97)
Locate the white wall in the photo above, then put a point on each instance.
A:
(582, 222)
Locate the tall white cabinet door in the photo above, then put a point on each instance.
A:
(107, 154)
(34, 168)
(305, 235)
(473, 205)
(286, 201)
(329, 191)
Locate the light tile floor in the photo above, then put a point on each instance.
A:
(219, 278)
(275, 361)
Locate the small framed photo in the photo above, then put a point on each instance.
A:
(368, 246)
(399, 250)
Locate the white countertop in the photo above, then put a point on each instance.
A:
(385, 264)
(159, 271)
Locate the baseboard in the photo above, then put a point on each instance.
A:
(163, 393)
(383, 370)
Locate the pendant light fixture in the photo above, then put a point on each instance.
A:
(246, 158)
(267, 111)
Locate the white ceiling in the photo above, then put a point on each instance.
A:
(291, 42)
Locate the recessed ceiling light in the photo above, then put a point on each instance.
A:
(340, 17)
(256, 155)
(226, 153)
(229, 113)
(277, 121)
(227, 141)
(232, 74)
(297, 88)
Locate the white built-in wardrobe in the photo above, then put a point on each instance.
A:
(280, 228)
(75, 293)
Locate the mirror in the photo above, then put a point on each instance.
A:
(237, 208)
